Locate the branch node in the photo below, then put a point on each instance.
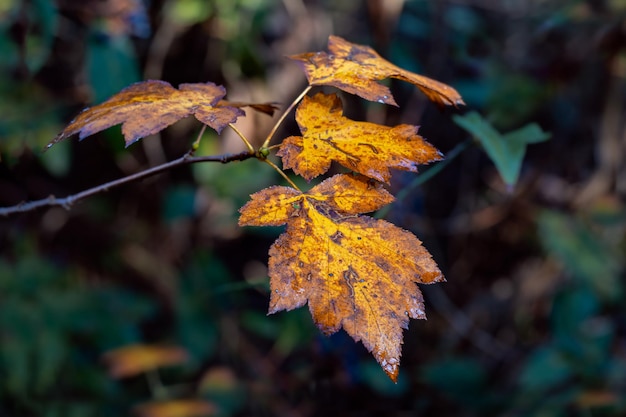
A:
(66, 203)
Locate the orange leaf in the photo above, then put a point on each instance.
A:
(597, 398)
(135, 359)
(176, 408)
(217, 379)
(148, 107)
(356, 68)
(355, 272)
(367, 148)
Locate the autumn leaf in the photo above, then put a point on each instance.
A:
(176, 408)
(355, 272)
(147, 107)
(135, 359)
(368, 148)
(356, 68)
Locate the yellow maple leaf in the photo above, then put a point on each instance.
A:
(356, 68)
(368, 148)
(355, 272)
(147, 107)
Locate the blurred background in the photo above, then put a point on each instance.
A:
(149, 300)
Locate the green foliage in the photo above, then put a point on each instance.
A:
(111, 64)
(43, 19)
(575, 362)
(53, 326)
(506, 151)
(585, 252)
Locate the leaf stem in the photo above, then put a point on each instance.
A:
(285, 113)
(196, 143)
(282, 173)
(68, 201)
(243, 138)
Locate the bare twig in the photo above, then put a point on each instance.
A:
(68, 201)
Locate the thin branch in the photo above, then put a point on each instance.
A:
(68, 201)
(282, 117)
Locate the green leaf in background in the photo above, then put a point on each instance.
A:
(529, 95)
(543, 386)
(42, 20)
(46, 21)
(545, 368)
(19, 130)
(190, 12)
(570, 309)
(581, 334)
(583, 252)
(506, 151)
(464, 380)
(112, 65)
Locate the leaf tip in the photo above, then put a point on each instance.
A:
(129, 141)
(51, 144)
(391, 366)
(58, 138)
(386, 99)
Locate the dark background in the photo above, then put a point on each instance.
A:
(531, 320)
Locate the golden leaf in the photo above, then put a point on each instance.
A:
(355, 272)
(356, 68)
(368, 148)
(135, 359)
(147, 107)
(176, 408)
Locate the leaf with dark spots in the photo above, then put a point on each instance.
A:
(334, 264)
(366, 148)
(148, 107)
(357, 68)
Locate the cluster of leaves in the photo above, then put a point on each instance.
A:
(355, 272)
(527, 329)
